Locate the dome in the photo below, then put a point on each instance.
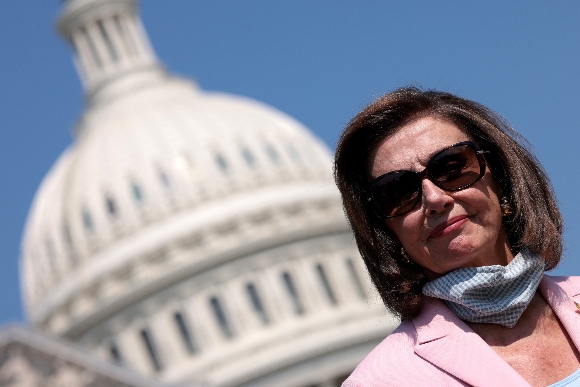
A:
(164, 156)
(192, 236)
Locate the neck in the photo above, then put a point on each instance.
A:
(490, 294)
(537, 315)
(502, 254)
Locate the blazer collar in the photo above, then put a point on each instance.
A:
(447, 342)
(561, 293)
(444, 340)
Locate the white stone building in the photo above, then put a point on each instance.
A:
(189, 236)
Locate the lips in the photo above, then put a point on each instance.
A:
(448, 226)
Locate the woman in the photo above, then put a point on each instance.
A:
(456, 223)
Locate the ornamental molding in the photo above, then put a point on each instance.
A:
(180, 258)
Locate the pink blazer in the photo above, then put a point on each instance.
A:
(436, 348)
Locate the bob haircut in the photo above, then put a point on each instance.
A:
(535, 223)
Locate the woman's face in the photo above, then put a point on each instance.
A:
(446, 230)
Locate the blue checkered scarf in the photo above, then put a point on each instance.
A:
(490, 294)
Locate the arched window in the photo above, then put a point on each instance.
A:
(92, 47)
(115, 354)
(185, 333)
(249, 157)
(87, 221)
(221, 317)
(294, 154)
(151, 349)
(111, 206)
(291, 289)
(126, 38)
(221, 162)
(110, 47)
(273, 153)
(137, 193)
(325, 284)
(257, 302)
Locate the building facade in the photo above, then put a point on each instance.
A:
(193, 237)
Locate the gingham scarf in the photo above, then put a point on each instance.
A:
(490, 294)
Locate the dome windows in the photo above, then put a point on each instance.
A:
(106, 46)
(87, 221)
(225, 316)
(273, 153)
(115, 353)
(221, 162)
(129, 174)
(257, 302)
(249, 157)
(136, 192)
(109, 44)
(125, 37)
(253, 157)
(221, 317)
(151, 349)
(164, 179)
(325, 284)
(185, 333)
(92, 48)
(293, 293)
(111, 206)
(294, 153)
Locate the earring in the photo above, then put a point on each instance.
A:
(506, 207)
(405, 256)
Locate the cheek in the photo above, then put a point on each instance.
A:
(494, 189)
(491, 202)
(404, 229)
(495, 216)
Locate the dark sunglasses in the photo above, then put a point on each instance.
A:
(453, 168)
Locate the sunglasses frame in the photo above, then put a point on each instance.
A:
(425, 174)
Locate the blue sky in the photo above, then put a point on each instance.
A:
(319, 61)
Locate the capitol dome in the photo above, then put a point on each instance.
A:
(191, 235)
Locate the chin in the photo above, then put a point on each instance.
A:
(460, 258)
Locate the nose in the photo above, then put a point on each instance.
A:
(435, 199)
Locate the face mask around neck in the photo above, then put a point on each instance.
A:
(490, 294)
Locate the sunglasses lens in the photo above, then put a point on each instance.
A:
(451, 169)
(396, 193)
(455, 168)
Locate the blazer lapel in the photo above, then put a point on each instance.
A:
(561, 293)
(447, 342)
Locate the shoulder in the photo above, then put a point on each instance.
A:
(394, 363)
(377, 367)
(564, 278)
(570, 284)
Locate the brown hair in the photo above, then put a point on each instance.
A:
(534, 225)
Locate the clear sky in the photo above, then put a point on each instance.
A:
(319, 61)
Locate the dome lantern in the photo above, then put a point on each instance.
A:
(109, 42)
